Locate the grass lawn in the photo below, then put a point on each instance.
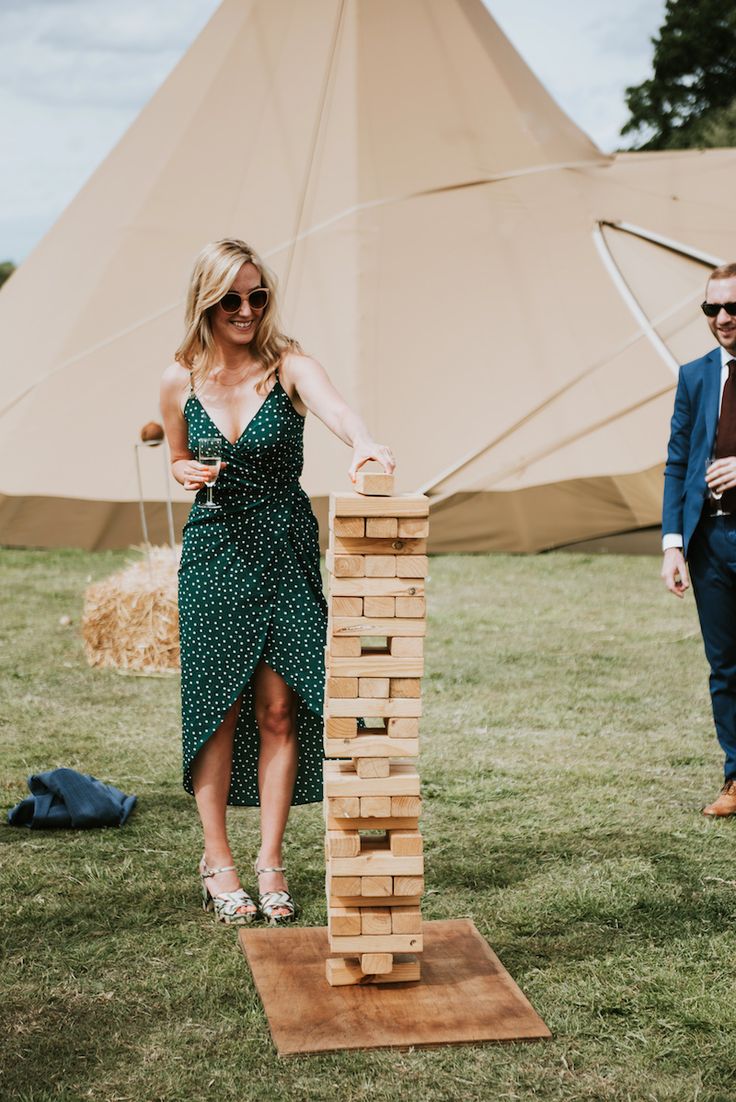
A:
(567, 749)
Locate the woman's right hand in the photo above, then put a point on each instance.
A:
(193, 475)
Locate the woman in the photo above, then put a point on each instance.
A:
(252, 614)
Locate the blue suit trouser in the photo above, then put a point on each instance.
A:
(712, 564)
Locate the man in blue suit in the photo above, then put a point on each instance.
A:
(699, 513)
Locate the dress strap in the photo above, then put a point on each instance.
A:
(191, 382)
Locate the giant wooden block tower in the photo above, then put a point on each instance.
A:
(377, 566)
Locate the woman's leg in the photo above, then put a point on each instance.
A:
(211, 771)
(275, 707)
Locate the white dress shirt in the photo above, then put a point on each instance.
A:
(674, 539)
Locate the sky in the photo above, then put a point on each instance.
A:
(75, 73)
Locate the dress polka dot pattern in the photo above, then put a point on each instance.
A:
(250, 589)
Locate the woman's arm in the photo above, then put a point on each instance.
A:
(315, 389)
(185, 469)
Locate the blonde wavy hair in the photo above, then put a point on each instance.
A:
(212, 277)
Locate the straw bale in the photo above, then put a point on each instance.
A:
(131, 619)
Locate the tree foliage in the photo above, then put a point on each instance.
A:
(690, 100)
(7, 267)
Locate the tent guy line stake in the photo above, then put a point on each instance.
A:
(631, 301)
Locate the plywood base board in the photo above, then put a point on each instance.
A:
(465, 994)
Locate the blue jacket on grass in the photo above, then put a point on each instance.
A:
(65, 798)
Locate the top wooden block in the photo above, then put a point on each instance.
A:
(358, 505)
(374, 483)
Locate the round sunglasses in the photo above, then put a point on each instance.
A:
(257, 300)
(713, 309)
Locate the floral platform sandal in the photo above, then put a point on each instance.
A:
(269, 902)
(228, 906)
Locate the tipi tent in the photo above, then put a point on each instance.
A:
(504, 303)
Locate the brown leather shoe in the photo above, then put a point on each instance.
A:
(725, 804)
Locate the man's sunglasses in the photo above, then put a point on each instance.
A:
(257, 300)
(713, 309)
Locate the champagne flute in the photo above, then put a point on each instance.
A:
(210, 454)
(714, 496)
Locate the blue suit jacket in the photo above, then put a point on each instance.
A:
(692, 438)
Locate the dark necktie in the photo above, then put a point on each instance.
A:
(726, 432)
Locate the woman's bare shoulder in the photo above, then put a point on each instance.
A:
(174, 384)
(175, 375)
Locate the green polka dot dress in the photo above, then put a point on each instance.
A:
(250, 590)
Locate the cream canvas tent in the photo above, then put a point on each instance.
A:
(505, 304)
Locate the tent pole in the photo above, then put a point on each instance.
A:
(666, 243)
(631, 301)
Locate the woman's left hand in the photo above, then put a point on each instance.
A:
(363, 452)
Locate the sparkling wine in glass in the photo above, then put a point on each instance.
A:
(210, 454)
(714, 496)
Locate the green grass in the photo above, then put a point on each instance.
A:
(567, 749)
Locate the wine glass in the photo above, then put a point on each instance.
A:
(713, 495)
(210, 453)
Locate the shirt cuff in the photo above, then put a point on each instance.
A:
(671, 539)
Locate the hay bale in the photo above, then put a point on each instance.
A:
(131, 619)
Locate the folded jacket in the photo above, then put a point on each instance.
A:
(66, 798)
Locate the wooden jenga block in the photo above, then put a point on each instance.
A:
(344, 545)
(342, 972)
(406, 727)
(377, 943)
(369, 707)
(376, 964)
(351, 606)
(343, 843)
(372, 807)
(377, 863)
(382, 527)
(375, 688)
(402, 688)
(346, 566)
(348, 922)
(371, 746)
(345, 647)
(411, 566)
(404, 920)
(408, 885)
(351, 527)
(346, 885)
(402, 782)
(374, 483)
(377, 920)
(376, 587)
(346, 807)
(373, 886)
(405, 606)
(376, 823)
(345, 727)
(381, 566)
(404, 805)
(380, 606)
(342, 688)
(372, 767)
(411, 527)
(364, 900)
(372, 626)
(404, 646)
(404, 843)
(376, 663)
(399, 505)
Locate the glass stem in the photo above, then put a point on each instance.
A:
(209, 494)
